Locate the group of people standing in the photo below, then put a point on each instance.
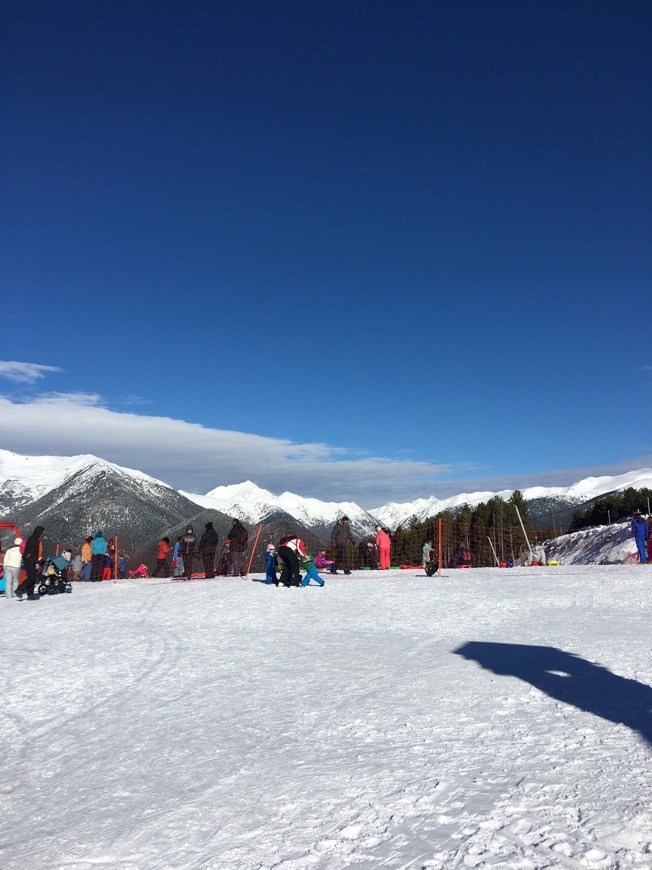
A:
(374, 552)
(186, 550)
(294, 557)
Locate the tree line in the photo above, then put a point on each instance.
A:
(612, 508)
(495, 520)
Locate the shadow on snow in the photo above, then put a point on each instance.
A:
(571, 679)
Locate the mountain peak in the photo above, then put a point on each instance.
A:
(247, 491)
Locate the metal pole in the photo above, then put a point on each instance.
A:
(251, 558)
(518, 514)
(493, 550)
(440, 554)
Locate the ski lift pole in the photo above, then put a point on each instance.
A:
(440, 550)
(493, 550)
(253, 551)
(527, 540)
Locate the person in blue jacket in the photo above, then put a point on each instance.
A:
(271, 561)
(639, 533)
(98, 549)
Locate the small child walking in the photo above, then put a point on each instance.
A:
(271, 562)
(308, 566)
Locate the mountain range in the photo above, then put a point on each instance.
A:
(74, 496)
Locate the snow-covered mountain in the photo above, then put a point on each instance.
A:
(75, 496)
(252, 504)
(80, 492)
(24, 479)
(543, 501)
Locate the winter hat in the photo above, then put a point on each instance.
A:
(209, 526)
(17, 541)
(99, 535)
(271, 547)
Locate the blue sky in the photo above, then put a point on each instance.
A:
(404, 245)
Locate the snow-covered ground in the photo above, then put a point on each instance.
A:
(485, 718)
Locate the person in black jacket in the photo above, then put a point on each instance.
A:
(207, 547)
(236, 543)
(187, 551)
(31, 556)
(340, 536)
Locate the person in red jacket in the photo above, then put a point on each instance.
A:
(290, 549)
(162, 558)
(384, 544)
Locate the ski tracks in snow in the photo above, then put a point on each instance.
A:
(228, 726)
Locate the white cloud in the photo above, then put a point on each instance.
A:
(195, 458)
(23, 372)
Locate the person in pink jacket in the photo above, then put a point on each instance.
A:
(384, 544)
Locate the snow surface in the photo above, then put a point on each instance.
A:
(486, 718)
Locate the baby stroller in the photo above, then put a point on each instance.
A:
(54, 578)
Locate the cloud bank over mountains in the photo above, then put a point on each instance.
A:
(193, 457)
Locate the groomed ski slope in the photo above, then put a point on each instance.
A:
(224, 724)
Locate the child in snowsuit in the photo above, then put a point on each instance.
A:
(308, 566)
(271, 562)
(177, 559)
(141, 571)
(77, 566)
(321, 562)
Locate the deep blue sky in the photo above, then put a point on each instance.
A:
(413, 229)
